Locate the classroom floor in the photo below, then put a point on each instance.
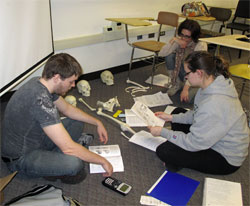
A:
(142, 167)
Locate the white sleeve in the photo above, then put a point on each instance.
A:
(201, 46)
(167, 49)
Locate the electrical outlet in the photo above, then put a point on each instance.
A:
(152, 35)
(108, 29)
(162, 33)
(139, 37)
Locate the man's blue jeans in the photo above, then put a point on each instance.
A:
(170, 63)
(50, 161)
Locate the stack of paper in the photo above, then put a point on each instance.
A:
(221, 192)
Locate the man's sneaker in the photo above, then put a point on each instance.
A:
(85, 139)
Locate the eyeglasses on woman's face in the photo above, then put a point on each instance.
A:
(186, 75)
(184, 36)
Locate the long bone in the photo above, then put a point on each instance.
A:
(136, 84)
(124, 126)
(91, 108)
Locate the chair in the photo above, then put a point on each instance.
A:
(154, 46)
(222, 15)
(242, 11)
(242, 71)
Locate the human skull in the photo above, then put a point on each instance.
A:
(84, 88)
(71, 100)
(107, 77)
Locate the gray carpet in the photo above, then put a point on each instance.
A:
(142, 167)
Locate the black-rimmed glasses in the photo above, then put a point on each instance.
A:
(187, 73)
(184, 36)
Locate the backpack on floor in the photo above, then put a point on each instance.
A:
(46, 195)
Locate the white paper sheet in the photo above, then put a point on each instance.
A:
(221, 192)
(133, 120)
(154, 100)
(112, 153)
(147, 140)
(159, 80)
(146, 115)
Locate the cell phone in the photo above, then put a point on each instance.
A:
(116, 185)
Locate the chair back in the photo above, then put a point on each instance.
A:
(242, 9)
(168, 18)
(221, 14)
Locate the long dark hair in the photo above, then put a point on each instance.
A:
(212, 65)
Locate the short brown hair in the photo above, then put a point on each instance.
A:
(63, 64)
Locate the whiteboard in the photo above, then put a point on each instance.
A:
(25, 39)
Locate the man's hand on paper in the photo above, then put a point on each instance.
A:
(166, 117)
(108, 168)
(155, 131)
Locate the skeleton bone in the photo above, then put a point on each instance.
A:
(71, 100)
(91, 108)
(137, 90)
(124, 126)
(136, 84)
(109, 105)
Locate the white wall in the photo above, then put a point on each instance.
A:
(85, 18)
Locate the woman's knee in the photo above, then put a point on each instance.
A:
(170, 61)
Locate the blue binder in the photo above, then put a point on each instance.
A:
(173, 188)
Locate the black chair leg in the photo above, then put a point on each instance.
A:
(240, 54)
(241, 50)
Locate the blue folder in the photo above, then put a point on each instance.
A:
(173, 188)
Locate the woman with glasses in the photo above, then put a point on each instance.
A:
(175, 52)
(213, 137)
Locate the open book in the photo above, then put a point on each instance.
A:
(147, 140)
(146, 115)
(221, 192)
(112, 153)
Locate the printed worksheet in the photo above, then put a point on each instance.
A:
(154, 100)
(146, 115)
(133, 120)
(159, 80)
(112, 153)
(147, 140)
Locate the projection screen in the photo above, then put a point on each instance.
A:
(26, 39)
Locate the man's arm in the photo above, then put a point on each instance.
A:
(77, 114)
(59, 135)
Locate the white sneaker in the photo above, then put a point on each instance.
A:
(175, 88)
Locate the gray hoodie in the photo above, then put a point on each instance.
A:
(218, 122)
